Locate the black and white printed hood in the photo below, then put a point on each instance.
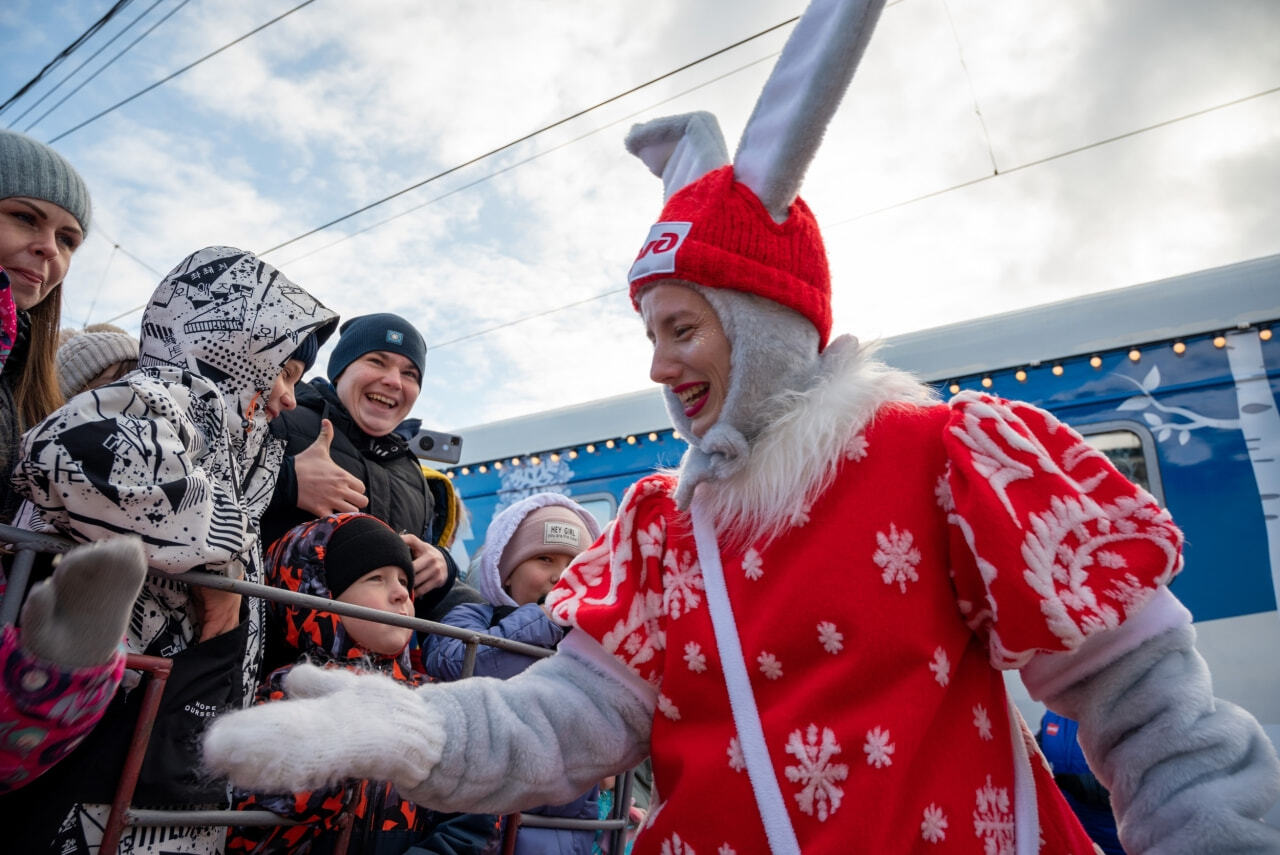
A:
(216, 306)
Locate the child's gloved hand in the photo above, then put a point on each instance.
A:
(335, 725)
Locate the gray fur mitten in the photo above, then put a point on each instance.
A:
(334, 725)
(77, 617)
(1188, 773)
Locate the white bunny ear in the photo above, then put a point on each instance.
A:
(679, 149)
(801, 95)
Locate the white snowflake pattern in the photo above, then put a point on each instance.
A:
(736, 761)
(993, 821)
(800, 517)
(668, 707)
(681, 584)
(942, 492)
(856, 447)
(831, 639)
(694, 657)
(814, 751)
(878, 748)
(933, 828)
(982, 721)
(897, 556)
(675, 846)
(726, 849)
(651, 540)
(752, 565)
(769, 665)
(941, 667)
(640, 634)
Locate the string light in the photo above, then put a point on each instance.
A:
(515, 461)
(1179, 347)
(1219, 341)
(591, 448)
(1135, 355)
(675, 434)
(954, 387)
(466, 470)
(986, 382)
(1095, 361)
(1057, 369)
(483, 469)
(1265, 333)
(555, 457)
(631, 440)
(535, 460)
(608, 443)
(497, 464)
(573, 455)
(1020, 375)
(653, 437)
(449, 474)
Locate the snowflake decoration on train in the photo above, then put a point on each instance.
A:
(520, 482)
(814, 751)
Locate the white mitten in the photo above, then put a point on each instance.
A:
(335, 725)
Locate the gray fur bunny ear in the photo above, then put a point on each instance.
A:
(679, 149)
(801, 95)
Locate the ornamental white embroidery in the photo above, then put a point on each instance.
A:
(680, 584)
(696, 659)
(736, 761)
(942, 492)
(991, 458)
(831, 639)
(856, 447)
(933, 828)
(941, 667)
(819, 796)
(640, 634)
(897, 556)
(769, 665)
(651, 541)
(752, 566)
(675, 846)
(993, 821)
(982, 721)
(726, 849)
(667, 707)
(878, 748)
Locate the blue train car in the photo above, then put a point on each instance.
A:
(1176, 381)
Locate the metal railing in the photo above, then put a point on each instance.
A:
(24, 545)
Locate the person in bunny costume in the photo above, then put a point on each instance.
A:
(952, 541)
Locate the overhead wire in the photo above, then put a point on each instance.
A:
(66, 52)
(127, 27)
(123, 51)
(180, 71)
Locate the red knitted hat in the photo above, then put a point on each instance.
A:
(715, 232)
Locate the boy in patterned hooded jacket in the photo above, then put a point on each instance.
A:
(350, 558)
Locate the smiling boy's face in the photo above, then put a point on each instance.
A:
(379, 389)
(385, 589)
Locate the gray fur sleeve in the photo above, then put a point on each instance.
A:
(544, 736)
(1188, 773)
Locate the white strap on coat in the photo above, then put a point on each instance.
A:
(746, 717)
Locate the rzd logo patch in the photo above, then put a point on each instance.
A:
(659, 252)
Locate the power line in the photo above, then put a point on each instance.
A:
(108, 63)
(530, 135)
(65, 52)
(76, 70)
(1058, 156)
(180, 71)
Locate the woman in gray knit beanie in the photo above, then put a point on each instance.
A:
(44, 217)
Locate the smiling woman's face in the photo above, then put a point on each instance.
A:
(690, 350)
(37, 239)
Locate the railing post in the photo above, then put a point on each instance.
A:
(159, 668)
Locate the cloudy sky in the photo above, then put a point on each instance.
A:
(1133, 140)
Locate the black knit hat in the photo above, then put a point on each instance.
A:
(368, 333)
(359, 545)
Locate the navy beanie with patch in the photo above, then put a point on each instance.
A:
(368, 333)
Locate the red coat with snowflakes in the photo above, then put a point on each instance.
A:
(954, 538)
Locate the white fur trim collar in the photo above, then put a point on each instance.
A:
(796, 458)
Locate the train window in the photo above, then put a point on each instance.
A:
(601, 505)
(1130, 449)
